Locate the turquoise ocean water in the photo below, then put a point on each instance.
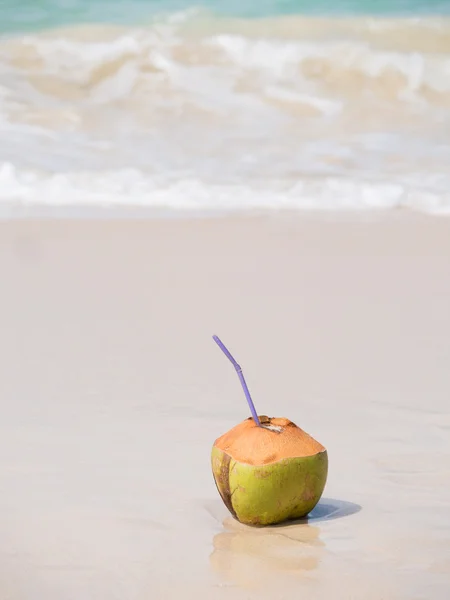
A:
(276, 104)
(37, 14)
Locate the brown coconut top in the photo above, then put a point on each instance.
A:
(278, 438)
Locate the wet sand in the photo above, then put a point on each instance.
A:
(112, 393)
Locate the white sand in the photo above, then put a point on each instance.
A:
(112, 393)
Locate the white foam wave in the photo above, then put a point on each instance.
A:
(221, 115)
(330, 59)
(88, 57)
(131, 188)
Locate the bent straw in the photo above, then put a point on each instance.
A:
(241, 377)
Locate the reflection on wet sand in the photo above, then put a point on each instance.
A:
(241, 551)
(242, 554)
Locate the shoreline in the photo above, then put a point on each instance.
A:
(23, 212)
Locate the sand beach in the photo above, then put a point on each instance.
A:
(113, 392)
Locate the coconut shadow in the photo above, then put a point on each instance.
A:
(327, 509)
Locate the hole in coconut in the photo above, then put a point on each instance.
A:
(275, 428)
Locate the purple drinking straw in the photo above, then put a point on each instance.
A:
(241, 377)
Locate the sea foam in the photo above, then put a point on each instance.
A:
(196, 113)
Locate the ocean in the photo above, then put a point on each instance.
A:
(172, 107)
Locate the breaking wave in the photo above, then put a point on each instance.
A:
(196, 112)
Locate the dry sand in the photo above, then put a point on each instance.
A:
(112, 393)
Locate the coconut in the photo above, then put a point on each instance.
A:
(269, 472)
